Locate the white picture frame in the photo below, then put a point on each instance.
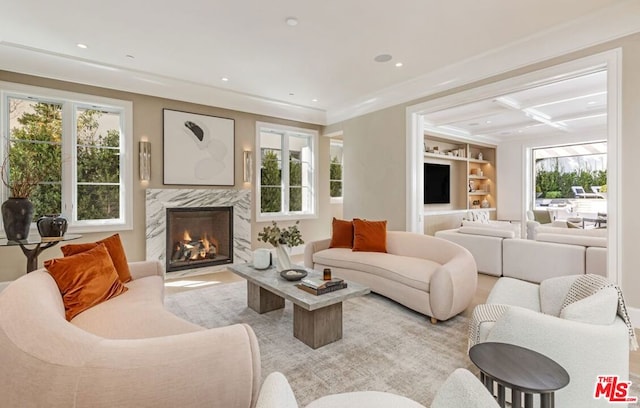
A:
(198, 149)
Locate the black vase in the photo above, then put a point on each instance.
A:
(52, 226)
(17, 214)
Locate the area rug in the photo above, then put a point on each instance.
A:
(385, 346)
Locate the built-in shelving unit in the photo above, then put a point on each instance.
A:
(472, 176)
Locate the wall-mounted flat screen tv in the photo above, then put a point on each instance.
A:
(436, 183)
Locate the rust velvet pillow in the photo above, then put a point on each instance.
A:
(369, 236)
(341, 234)
(85, 279)
(115, 249)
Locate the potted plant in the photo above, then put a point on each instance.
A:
(282, 239)
(17, 210)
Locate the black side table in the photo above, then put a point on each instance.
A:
(520, 369)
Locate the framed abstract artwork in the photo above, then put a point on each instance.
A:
(198, 149)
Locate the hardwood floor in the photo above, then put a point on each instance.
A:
(485, 283)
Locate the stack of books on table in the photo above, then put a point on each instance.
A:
(319, 286)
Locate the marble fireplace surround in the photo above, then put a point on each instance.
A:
(158, 200)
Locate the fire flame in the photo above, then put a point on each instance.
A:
(186, 237)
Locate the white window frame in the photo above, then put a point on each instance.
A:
(336, 200)
(71, 102)
(285, 214)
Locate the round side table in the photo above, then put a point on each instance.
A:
(520, 369)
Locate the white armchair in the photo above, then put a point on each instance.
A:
(461, 390)
(587, 338)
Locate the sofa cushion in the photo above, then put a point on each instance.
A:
(115, 249)
(341, 234)
(479, 216)
(413, 272)
(139, 313)
(572, 239)
(599, 308)
(492, 232)
(369, 236)
(85, 279)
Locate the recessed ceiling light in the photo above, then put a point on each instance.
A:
(473, 124)
(591, 103)
(520, 130)
(382, 58)
(398, 64)
(314, 100)
(130, 56)
(292, 21)
(488, 122)
(291, 94)
(225, 79)
(83, 46)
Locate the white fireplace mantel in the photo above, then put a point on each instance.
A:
(158, 200)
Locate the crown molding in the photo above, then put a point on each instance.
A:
(605, 25)
(42, 63)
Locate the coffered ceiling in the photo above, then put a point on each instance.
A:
(305, 60)
(576, 105)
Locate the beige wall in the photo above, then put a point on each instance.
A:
(374, 170)
(147, 122)
(375, 187)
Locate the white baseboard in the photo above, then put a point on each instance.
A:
(634, 315)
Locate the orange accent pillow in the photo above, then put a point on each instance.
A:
(369, 236)
(115, 249)
(341, 234)
(85, 279)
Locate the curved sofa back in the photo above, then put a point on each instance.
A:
(422, 246)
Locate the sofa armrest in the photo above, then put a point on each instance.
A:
(145, 268)
(313, 247)
(217, 367)
(276, 393)
(453, 285)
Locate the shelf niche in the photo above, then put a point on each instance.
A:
(472, 177)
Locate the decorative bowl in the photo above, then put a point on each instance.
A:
(293, 274)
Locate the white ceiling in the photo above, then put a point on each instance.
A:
(576, 105)
(182, 49)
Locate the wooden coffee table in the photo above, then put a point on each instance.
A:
(521, 369)
(317, 320)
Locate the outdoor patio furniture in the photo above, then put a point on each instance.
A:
(597, 191)
(579, 192)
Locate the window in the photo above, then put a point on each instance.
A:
(564, 174)
(287, 184)
(335, 169)
(78, 149)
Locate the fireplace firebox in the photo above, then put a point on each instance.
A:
(198, 237)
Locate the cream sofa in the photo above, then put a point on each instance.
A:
(461, 389)
(128, 351)
(555, 252)
(484, 241)
(430, 275)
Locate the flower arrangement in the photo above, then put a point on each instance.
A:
(277, 236)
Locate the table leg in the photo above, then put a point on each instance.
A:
(528, 400)
(516, 398)
(501, 398)
(261, 300)
(547, 400)
(319, 327)
(32, 254)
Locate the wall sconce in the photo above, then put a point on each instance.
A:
(248, 166)
(145, 161)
